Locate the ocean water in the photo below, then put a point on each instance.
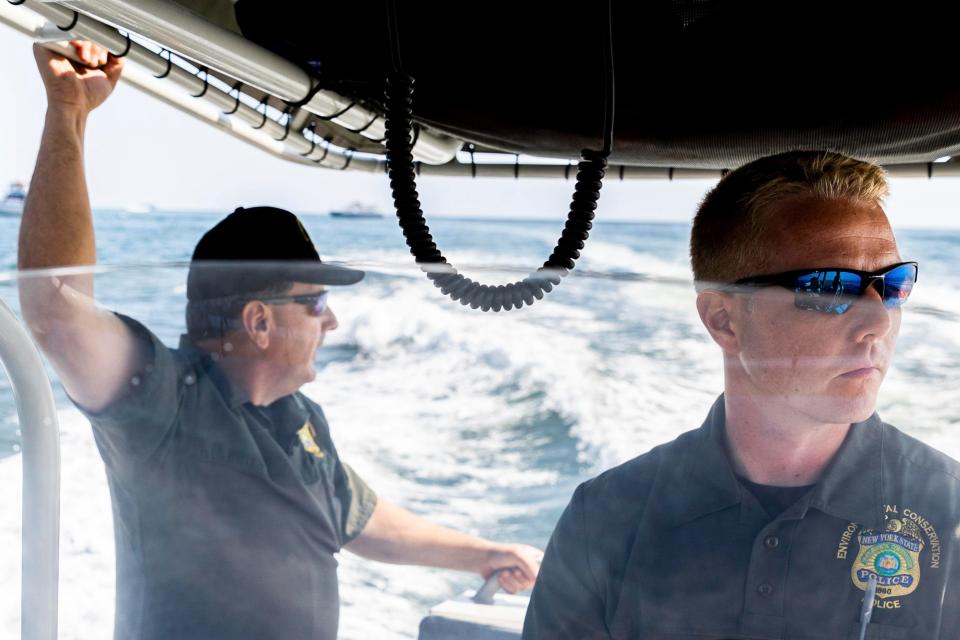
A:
(483, 422)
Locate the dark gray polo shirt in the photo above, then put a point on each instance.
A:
(227, 516)
(669, 545)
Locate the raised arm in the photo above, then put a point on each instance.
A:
(395, 535)
(93, 352)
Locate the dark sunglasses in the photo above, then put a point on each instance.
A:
(833, 290)
(316, 303)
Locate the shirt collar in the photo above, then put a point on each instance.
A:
(698, 474)
(699, 479)
(287, 416)
(852, 485)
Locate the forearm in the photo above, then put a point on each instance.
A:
(57, 225)
(397, 536)
(57, 230)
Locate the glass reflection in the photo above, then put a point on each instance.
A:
(484, 423)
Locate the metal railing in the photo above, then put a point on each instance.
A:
(218, 48)
(40, 433)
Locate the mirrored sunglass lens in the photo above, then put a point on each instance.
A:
(897, 285)
(319, 303)
(827, 291)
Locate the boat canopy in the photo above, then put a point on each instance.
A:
(517, 89)
(705, 84)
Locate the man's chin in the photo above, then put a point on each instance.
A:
(837, 409)
(306, 378)
(859, 399)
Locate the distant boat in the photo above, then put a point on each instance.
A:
(12, 203)
(140, 207)
(357, 210)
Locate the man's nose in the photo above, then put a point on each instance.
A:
(872, 315)
(328, 320)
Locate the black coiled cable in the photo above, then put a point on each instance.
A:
(590, 171)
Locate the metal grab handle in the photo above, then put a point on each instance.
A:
(484, 594)
(40, 461)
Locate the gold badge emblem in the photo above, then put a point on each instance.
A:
(892, 556)
(308, 439)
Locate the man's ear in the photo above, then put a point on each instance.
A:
(717, 312)
(257, 319)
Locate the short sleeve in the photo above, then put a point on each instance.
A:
(566, 602)
(133, 426)
(357, 501)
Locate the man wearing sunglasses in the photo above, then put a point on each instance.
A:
(794, 511)
(229, 498)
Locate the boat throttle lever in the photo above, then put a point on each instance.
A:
(484, 594)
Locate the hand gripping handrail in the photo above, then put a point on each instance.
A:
(41, 478)
(39, 20)
(175, 27)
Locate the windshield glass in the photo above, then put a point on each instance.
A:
(482, 422)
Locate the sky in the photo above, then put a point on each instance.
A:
(139, 151)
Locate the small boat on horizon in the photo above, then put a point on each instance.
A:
(12, 204)
(140, 207)
(357, 210)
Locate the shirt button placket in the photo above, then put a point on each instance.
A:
(766, 579)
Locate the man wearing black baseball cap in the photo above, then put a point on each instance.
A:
(260, 250)
(229, 497)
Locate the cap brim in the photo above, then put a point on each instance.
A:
(211, 280)
(331, 274)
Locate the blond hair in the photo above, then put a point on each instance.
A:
(726, 239)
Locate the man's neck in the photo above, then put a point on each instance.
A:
(251, 379)
(245, 372)
(773, 446)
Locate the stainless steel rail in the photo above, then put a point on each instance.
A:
(187, 33)
(40, 568)
(261, 130)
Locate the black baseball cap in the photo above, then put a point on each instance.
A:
(254, 248)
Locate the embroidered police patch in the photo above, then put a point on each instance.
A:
(893, 557)
(308, 439)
